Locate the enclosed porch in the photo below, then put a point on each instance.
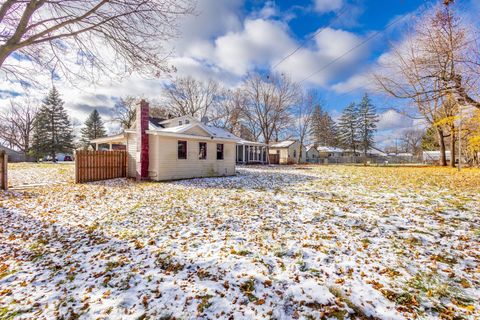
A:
(249, 152)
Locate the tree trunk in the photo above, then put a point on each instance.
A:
(452, 148)
(441, 142)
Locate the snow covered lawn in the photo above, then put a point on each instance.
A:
(330, 242)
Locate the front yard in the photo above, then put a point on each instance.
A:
(331, 242)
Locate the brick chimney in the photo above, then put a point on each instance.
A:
(142, 140)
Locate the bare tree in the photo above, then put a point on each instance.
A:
(124, 112)
(228, 113)
(303, 117)
(188, 96)
(269, 104)
(403, 75)
(412, 141)
(444, 50)
(96, 36)
(16, 125)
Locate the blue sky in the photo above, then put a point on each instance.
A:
(226, 40)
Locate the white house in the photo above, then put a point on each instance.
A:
(178, 148)
(312, 154)
(288, 152)
(329, 152)
(434, 156)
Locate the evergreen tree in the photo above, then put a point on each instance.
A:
(94, 128)
(430, 140)
(348, 132)
(323, 130)
(53, 132)
(367, 123)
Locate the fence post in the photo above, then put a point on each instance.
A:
(76, 166)
(3, 170)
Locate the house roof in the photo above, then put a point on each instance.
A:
(329, 149)
(283, 144)
(165, 121)
(155, 123)
(312, 146)
(110, 139)
(182, 131)
(253, 143)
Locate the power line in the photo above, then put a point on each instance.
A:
(308, 39)
(372, 36)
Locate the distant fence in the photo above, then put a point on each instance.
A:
(362, 159)
(100, 165)
(3, 170)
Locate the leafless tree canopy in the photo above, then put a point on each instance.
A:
(124, 112)
(189, 96)
(87, 38)
(436, 67)
(16, 125)
(269, 104)
(412, 141)
(438, 57)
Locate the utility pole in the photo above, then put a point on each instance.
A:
(460, 139)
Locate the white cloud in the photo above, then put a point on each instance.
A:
(257, 44)
(334, 42)
(391, 119)
(214, 18)
(323, 6)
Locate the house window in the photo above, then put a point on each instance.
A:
(202, 150)
(294, 153)
(187, 121)
(220, 151)
(180, 123)
(182, 149)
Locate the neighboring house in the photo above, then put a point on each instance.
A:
(287, 152)
(15, 156)
(374, 152)
(434, 156)
(312, 154)
(251, 152)
(329, 152)
(178, 148)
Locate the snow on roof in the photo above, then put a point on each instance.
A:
(219, 132)
(177, 129)
(110, 139)
(211, 130)
(283, 144)
(247, 142)
(329, 149)
(377, 152)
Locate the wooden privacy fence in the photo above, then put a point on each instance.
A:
(100, 165)
(3, 170)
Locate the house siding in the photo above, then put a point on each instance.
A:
(165, 165)
(131, 155)
(286, 154)
(312, 154)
